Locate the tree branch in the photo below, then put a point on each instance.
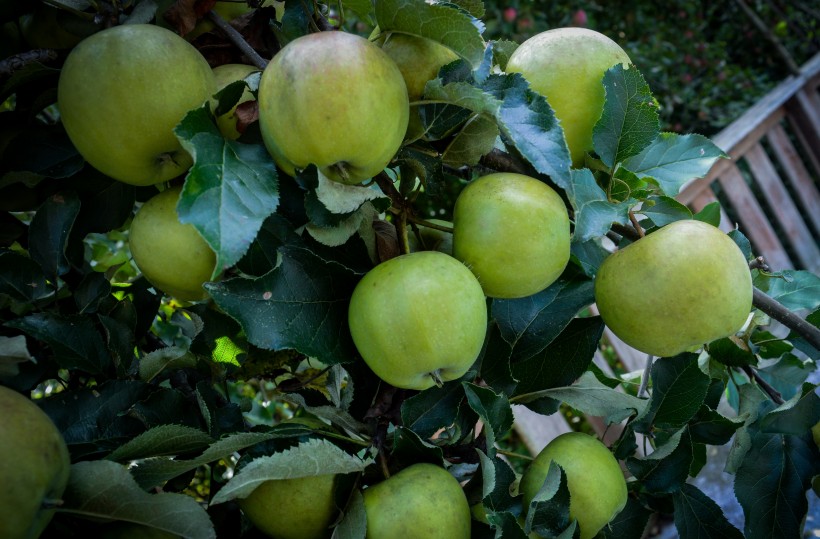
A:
(779, 312)
(236, 38)
(773, 394)
(17, 62)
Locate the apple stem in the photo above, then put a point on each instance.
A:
(436, 376)
(636, 224)
(428, 224)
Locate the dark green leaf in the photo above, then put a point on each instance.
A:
(434, 408)
(92, 290)
(502, 50)
(409, 448)
(796, 416)
(475, 139)
(230, 190)
(507, 525)
(493, 409)
(710, 427)
(673, 160)
(698, 516)
(451, 27)
(529, 324)
(629, 122)
(75, 340)
(49, 230)
(801, 343)
(362, 8)
(548, 512)
(588, 255)
(44, 151)
(787, 375)
(664, 210)
(496, 478)
(666, 469)
(354, 523)
(21, 278)
(301, 304)
(742, 242)
(565, 359)
(771, 484)
(495, 362)
(629, 523)
(678, 390)
(731, 351)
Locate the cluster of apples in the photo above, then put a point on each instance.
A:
(342, 103)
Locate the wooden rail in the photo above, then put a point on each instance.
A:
(768, 189)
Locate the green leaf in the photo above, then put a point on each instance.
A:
(795, 416)
(678, 390)
(495, 361)
(666, 469)
(548, 512)
(496, 478)
(13, 351)
(709, 214)
(475, 139)
(21, 278)
(529, 324)
(565, 359)
(169, 357)
(473, 7)
(493, 409)
(788, 374)
(308, 459)
(588, 255)
(164, 440)
(664, 210)
(592, 397)
(42, 151)
(672, 160)
(156, 471)
(230, 190)
(731, 351)
(771, 483)
(630, 522)
(104, 490)
(502, 50)
(409, 448)
(74, 340)
(430, 410)
(49, 231)
(697, 515)
(594, 213)
(301, 304)
(629, 122)
(795, 289)
(354, 523)
(506, 525)
(710, 427)
(362, 8)
(443, 23)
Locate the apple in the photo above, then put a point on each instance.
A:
(419, 60)
(681, 286)
(224, 75)
(418, 319)
(334, 100)
(298, 508)
(597, 487)
(34, 465)
(567, 65)
(513, 232)
(121, 93)
(173, 256)
(422, 500)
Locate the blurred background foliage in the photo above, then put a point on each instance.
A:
(705, 61)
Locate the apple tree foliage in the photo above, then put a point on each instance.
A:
(163, 403)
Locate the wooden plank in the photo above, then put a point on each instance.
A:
(706, 197)
(799, 177)
(805, 117)
(784, 208)
(754, 223)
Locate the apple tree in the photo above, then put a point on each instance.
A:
(238, 274)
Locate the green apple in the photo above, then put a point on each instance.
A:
(298, 508)
(418, 319)
(334, 100)
(173, 256)
(513, 232)
(567, 65)
(419, 60)
(224, 75)
(34, 465)
(597, 487)
(121, 93)
(422, 501)
(681, 286)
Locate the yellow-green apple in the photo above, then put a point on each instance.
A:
(567, 65)
(597, 487)
(681, 286)
(513, 232)
(224, 75)
(418, 319)
(334, 100)
(121, 93)
(34, 465)
(298, 508)
(173, 256)
(422, 500)
(419, 60)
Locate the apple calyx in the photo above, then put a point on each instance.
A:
(436, 376)
(166, 158)
(340, 169)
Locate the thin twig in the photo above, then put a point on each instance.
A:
(779, 312)
(636, 224)
(428, 224)
(236, 38)
(646, 374)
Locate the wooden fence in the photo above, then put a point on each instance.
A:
(768, 189)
